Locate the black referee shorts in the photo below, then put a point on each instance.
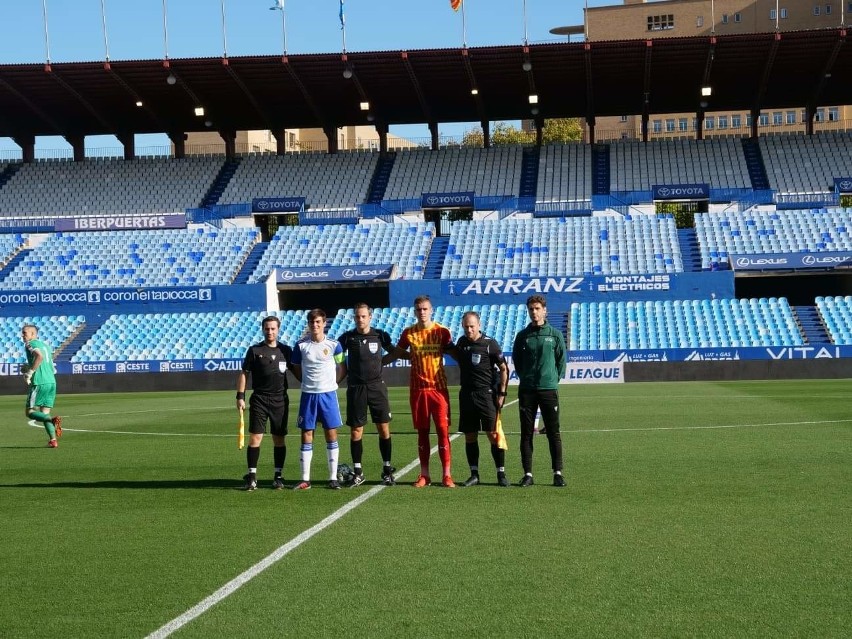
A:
(363, 397)
(271, 408)
(477, 410)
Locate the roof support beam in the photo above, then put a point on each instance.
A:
(57, 130)
(480, 111)
(304, 91)
(109, 126)
(137, 98)
(813, 101)
(590, 94)
(767, 72)
(249, 95)
(646, 83)
(427, 112)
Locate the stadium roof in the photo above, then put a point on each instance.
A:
(664, 75)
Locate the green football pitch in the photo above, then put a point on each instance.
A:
(692, 509)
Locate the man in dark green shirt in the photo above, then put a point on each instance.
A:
(41, 383)
(539, 358)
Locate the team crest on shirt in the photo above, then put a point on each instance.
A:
(325, 352)
(282, 366)
(374, 348)
(475, 359)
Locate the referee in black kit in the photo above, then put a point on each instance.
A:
(365, 390)
(484, 378)
(266, 362)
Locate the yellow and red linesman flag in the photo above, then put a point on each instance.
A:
(241, 432)
(502, 444)
(456, 4)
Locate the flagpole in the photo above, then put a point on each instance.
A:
(165, 33)
(343, 25)
(284, 25)
(464, 27)
(224, 33)
(103, 24)
(526, 40)
(46, 34)
(586, 21)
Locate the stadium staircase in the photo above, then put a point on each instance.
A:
(435, 263)
(756, 167)
(19, 257)
(381, 177)
(562, 322)
(76, 341)
(8, 172)
(812, 327)
(601, 170)
(252, 260)
(529, 172)
(688, 241)
(229, 167)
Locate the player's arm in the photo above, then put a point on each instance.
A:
(296, 369)
(452, 350)
(38, 358)
(242, 378)
(503, 368)
(340, 363)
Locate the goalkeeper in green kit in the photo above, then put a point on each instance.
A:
(41, 383)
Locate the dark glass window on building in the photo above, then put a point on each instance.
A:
(662, 22)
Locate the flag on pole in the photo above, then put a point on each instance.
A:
(241, 432)
(342, 17)
(501, 436)
(456, 4)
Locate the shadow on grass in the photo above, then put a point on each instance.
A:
(141, 484)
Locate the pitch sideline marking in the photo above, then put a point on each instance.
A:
(275, 556)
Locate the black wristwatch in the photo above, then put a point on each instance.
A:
(502, 393)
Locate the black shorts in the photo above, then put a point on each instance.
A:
(361, 397)
(477, 410)
(271, 408)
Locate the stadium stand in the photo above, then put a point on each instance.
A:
(793, 231)
(10, 244)
(406, 245)
(836, 312)
(807, 163)
(683, 324)
(197, 256)
(493, 171)
(716, 161)
(59, 188)
(569, 246)
(55, 330)
(184, 336)
(565, 174)
(339, 180)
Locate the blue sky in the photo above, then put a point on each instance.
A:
(135, 31)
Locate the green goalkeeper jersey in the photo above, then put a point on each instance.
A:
(44, 374)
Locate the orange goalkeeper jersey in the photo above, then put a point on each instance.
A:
(427, 359)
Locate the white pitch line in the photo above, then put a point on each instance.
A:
(240, 580)
(270, 560)
(713, 427)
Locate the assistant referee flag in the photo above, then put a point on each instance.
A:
(456, 4)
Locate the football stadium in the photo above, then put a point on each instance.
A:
(673, 177)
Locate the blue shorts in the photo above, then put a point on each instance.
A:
(319, 407)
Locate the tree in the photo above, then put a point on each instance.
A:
(555, 130)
